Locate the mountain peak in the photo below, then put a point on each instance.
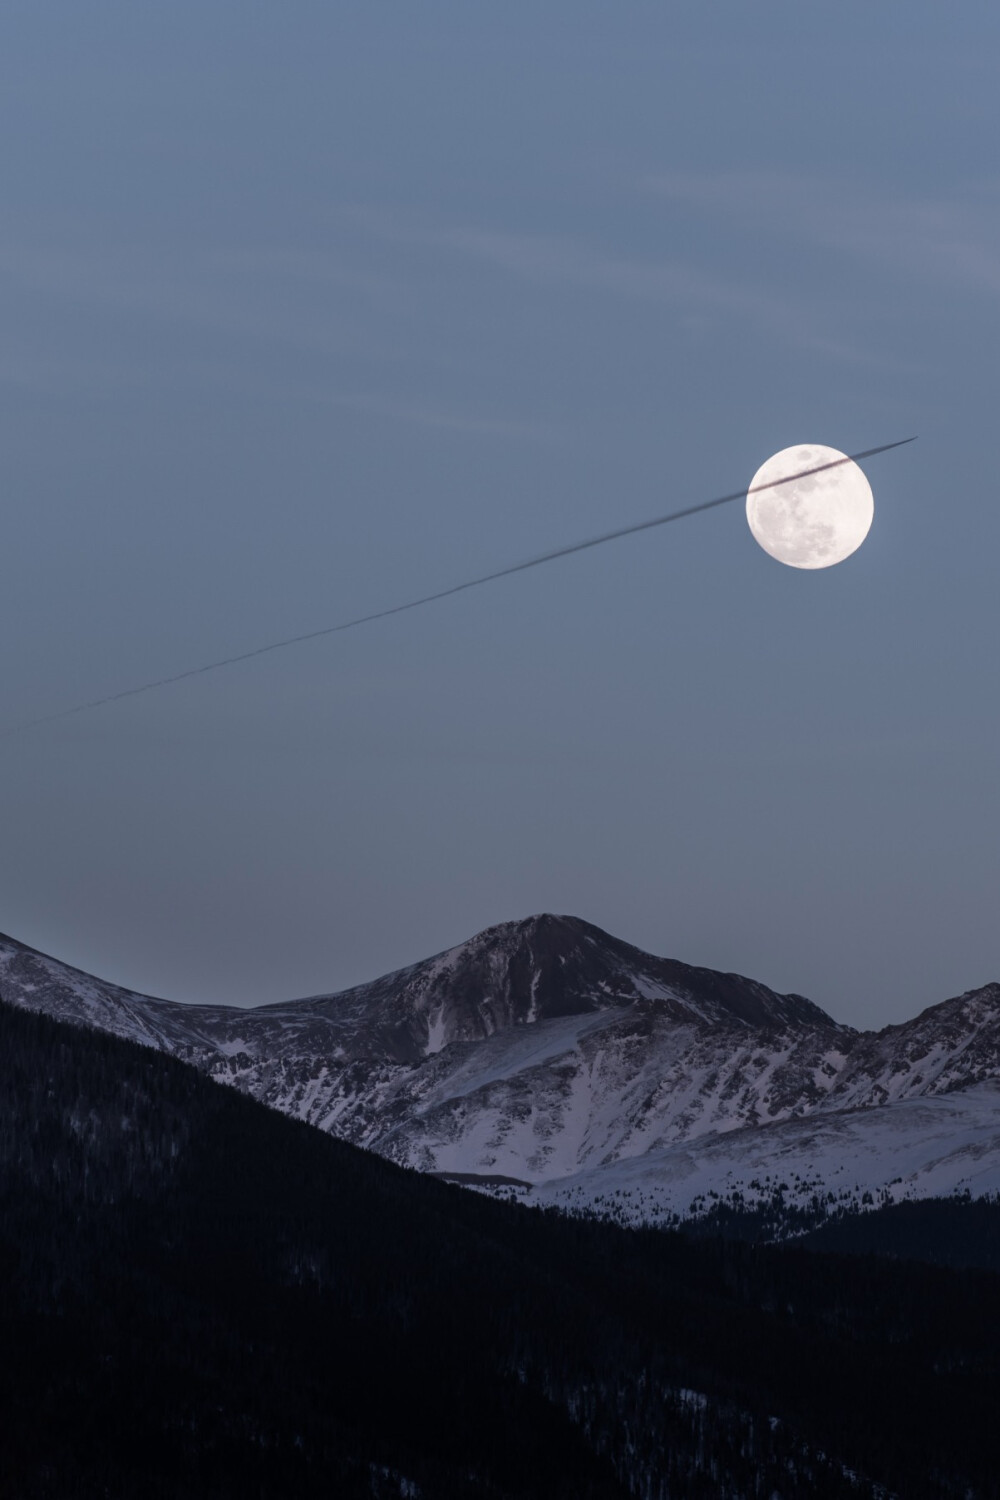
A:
(547, 966)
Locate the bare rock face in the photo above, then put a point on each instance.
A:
(550, 1052)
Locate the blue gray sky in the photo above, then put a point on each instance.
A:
(311, 308)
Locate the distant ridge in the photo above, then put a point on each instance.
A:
(549, 1052)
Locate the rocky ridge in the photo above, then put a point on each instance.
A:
(549, 1052)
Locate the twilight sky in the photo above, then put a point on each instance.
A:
(311, 308)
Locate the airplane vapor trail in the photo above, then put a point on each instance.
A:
(457, 588)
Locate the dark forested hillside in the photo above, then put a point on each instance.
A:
(958, 1231)
(202, 1298)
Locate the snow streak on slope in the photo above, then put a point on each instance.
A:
(547, 1051)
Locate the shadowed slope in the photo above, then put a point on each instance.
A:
(201, 1298)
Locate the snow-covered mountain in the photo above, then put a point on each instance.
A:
(549, 1052)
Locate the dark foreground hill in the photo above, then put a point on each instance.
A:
(202, 1298)
(958, 1231)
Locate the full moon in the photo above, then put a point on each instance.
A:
(815, 521)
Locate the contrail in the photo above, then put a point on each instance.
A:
(457, 588)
